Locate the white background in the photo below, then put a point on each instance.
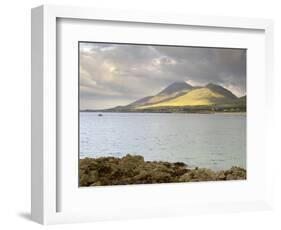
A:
(15, 113)
(182, 196)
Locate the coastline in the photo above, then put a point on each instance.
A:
(132, 169)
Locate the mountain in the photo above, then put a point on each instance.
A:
(139, 102)
(175, 88)
(172, 91)
(182, 97)
(208, 95)
(219, 89)
(242, 99)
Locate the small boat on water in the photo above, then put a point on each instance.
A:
(100, 115)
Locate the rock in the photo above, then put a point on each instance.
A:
(185, 177)
(235, 173)
(93, 177)
(230, 177)
(162, 177)
(238, 172)
(84, 180)
(98, 183)
(179, 164)
(93, 165)
(132, 169)
(221, 175)
(202, 174)
(167, 164)
(129, 164)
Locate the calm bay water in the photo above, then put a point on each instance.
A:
(216, 141)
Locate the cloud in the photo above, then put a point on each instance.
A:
(117, 74)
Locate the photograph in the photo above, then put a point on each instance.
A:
(151, 114)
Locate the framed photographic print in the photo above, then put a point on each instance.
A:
(144, 107)
(143, 114)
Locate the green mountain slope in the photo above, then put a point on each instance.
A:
(221, 90)
(182, 97)
(172, 91)
(209, 95)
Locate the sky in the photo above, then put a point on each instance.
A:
(118, 74)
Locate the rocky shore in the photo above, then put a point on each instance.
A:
(132, 169)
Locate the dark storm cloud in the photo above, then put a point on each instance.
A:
(113, 75)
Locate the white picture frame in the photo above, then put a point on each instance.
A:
(46, 163)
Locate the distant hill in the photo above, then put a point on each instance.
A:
(197, 97)
(221, 90)
(176, 89)
(182, 97)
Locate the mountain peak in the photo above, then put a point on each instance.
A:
(217, 88)
(176, 86)
(211, 84)
(180, 83)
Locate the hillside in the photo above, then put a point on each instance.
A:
(172, 91)
(182, 97)
(211, 94)
(195, 97)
